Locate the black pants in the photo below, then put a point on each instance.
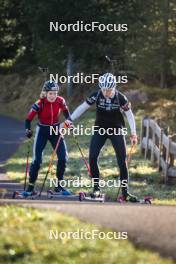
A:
(42, 136)
(119, 145)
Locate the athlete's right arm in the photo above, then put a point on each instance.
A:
(32, 113)
(80, 110)
(84, 106)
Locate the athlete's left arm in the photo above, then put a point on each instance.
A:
(126, 107)
(131, 121)
(65, 109)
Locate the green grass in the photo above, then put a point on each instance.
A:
(144, 178)
(25, 240)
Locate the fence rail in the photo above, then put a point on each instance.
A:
(159, 148)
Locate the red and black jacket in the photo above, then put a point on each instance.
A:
(48, 113)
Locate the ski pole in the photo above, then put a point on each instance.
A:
(27, 164)
(130, 154)
(83, 157)
(127, 162)
(44, 72)
(112, 63)
(50, 164)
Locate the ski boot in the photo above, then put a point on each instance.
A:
(95, 196)
(30, 191)
(58, 192)
(96, 192)
(127, 197)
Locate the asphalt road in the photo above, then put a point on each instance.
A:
(11, 135)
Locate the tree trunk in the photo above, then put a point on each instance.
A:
(164, 46)
(70, 73)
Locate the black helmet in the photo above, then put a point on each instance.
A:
(50, 86)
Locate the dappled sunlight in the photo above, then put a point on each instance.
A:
(16, 175)
(138, 183)
(20, 161)
(75, 154)
(143, 170)
(109, 172)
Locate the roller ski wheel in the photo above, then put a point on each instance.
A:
(50, 194)
(147, 199)
(103, 197)
(82, 196)
(15, 194)
(120, 199)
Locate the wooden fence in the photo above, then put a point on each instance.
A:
(159, 148)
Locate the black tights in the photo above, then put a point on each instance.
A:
(119, 145)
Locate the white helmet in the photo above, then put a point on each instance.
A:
(107, 81)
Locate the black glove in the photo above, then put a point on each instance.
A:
(28, 133)
(68, 124)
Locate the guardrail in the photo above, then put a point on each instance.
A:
(159, 148)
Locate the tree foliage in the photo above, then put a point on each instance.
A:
(147, 48)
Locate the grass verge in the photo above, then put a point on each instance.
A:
(25, 240)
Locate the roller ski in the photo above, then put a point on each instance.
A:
(29, 193)
(58, 192)
(24, 195)
(96, 196)
(130, 198)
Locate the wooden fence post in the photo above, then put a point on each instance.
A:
(167, 159)
(142, 134)
(147, 137)
(160, 150)
(153, 144)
